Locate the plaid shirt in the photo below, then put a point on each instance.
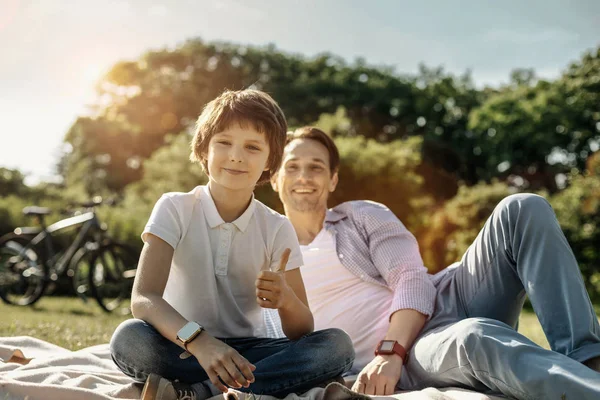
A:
(374, 245)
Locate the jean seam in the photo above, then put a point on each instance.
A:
(524, 394)
(432, 383)
(291, 388)
(131, 369)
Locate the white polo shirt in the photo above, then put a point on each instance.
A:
(215, 264)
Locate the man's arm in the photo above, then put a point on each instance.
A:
(382, 374)
(394, 251)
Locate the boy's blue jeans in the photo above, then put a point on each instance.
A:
(282, 366)
(471, 340)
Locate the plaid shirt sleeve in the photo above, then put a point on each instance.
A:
(394, 251)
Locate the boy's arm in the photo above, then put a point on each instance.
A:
(284, 291)
(296, 318)
(282, 288)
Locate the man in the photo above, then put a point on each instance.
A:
(363, 273)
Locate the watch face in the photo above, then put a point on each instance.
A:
(188, 330)
(387, 345)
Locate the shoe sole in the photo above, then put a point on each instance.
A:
(151, 388)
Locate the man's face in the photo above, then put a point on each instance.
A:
(304, 180)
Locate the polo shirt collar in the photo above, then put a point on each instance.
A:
(214, 218)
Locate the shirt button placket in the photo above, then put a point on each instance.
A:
(223, 250)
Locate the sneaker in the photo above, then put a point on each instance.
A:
(338, 379)
(593, 363)
(159, 388)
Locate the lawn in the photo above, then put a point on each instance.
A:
(67, 322)
(73, 324)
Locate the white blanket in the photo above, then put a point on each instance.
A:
(34, 369)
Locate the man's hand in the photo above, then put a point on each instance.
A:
(272, 290)
(222, 361)
(380, 376)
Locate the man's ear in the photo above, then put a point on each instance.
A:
(333, 182)
(274, 182)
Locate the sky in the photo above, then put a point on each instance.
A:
(53, 51)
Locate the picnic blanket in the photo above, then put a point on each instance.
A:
(34, 369)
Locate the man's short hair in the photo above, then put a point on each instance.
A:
(312, 133)
(246, 108)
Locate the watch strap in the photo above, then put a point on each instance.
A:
(397, 349)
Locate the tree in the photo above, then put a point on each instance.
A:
(12, 181)
(141, 102)
(537, 130)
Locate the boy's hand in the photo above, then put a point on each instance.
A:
(222, 361)
(272, 290)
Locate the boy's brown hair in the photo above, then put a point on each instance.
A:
(248, 108)
(312, 133)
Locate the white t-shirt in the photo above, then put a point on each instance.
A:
(333, 294)
(215, 264)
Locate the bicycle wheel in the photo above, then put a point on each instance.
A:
(79, 271)
(23, 274)
(111, 276)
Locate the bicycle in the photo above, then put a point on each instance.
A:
(95, 263)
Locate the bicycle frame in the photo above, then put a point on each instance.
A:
(87, 220)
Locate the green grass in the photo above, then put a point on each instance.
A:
(73, 324)
(67, 322)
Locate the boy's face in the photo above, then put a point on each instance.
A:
(304, 180)
(237, 157)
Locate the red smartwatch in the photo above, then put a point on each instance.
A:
(389, 347)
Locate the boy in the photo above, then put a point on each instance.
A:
(210, 264)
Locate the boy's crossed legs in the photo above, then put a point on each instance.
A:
(282, 366)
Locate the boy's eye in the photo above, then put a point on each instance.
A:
(291, 167)
(317, 168)
(253, 147)
(226, 142)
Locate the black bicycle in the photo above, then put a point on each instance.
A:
(31, 258)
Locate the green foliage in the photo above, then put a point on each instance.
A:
(12, 182)
(141, 102)
(384, 173)
(578, 211)
(457, 222)
(538, 129)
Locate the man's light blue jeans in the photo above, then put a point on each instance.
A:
(282, 366)
(471, 340)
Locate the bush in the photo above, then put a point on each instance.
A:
(578, 211)
(457, 222)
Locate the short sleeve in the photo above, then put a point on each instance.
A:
(286, 238)
(164, 222)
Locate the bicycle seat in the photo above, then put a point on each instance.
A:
(35, 210)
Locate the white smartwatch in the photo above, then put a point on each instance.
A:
(189, 332)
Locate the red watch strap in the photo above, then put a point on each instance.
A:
(396, 349)
(401, 351)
